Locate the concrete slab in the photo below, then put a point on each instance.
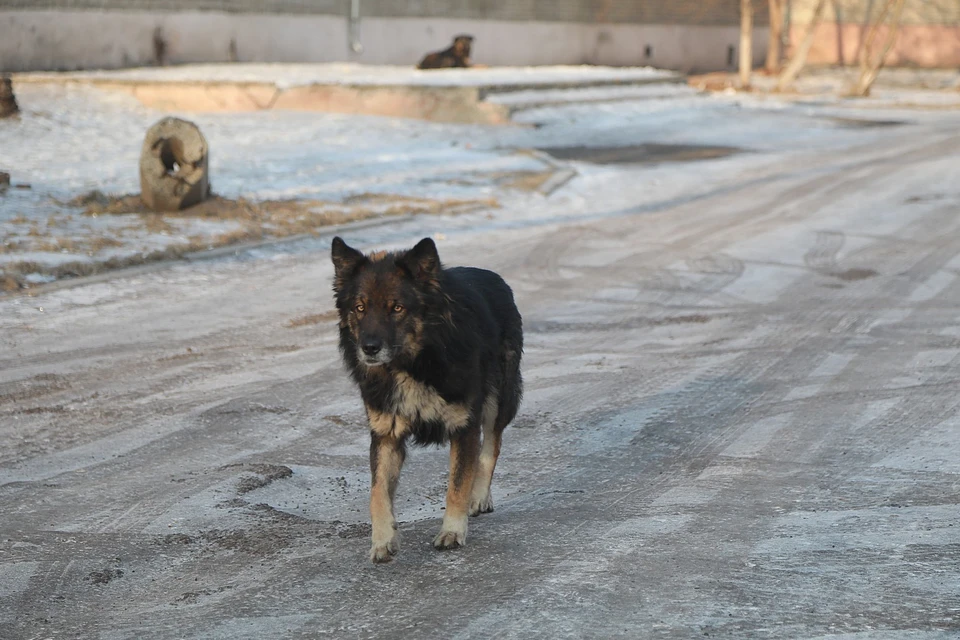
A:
(449, 95)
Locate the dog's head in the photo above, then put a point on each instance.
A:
(383, 300)
(461, 46)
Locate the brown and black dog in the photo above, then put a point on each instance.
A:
(436, 354)
(456, 55)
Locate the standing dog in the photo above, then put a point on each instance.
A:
(456, 55)
(436, 354)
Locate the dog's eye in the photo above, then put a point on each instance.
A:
(359, 308)
(397, 308)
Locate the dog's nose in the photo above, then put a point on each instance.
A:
(371, 346)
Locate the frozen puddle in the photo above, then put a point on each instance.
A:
(650, 153)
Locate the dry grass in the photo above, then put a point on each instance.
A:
(518, 180)
(527, 180)
(99, 243)
(17, 270)
(255, 221)
(12, 246)
(9, 284)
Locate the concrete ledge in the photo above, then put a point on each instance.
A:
(455, 96)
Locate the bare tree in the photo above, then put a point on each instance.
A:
(799, 57)
(870, 68)
(746, 42)
(776, 36)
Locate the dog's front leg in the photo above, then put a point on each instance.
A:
(386, 458)
(464, 451)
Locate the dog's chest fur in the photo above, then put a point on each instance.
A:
(418, 402)
(416, 408)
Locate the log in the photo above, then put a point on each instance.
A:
(174, 166)
(8, 102)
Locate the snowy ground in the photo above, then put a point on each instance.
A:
(740, 418)
(73, 140)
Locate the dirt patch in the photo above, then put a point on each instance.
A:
(281, 348)
(516, 180)
(696, 318)
(861, 123)
(527, 180)
(37, 386)
(551, 326)
(930, 197)
(244, 408)
(276, 516)
(105, 576)
(189, 354)
(264, 475)
(258, 543)
(715, 81)
(354, 531)
(279, 531)
(58, 408)
(539, 419)
(641, 154)
(9, 284)
(851, 275)
(315, 318)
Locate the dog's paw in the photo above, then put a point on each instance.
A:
(382, 552)
(481, 505)
(447, 540)
(453, 535)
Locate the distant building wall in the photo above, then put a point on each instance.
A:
(929, 34)
(689, 35)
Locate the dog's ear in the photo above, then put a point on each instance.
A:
(423, 261)
(345, 260)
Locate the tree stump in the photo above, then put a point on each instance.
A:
(174, 166)
(8, 103)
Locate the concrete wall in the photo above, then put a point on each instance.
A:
(688, 12)
(932, 46)
(929, 35)
(42, 40)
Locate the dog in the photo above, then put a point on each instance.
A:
(436, 354)
(456, 55)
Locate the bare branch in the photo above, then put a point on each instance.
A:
(870, 69)
(776, 36)
(799, 59)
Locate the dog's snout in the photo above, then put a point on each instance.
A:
(371, 346)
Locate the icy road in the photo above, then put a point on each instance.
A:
(741, 417)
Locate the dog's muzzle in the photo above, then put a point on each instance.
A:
(372, 352)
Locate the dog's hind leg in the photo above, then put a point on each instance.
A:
(480, 499)
(386, 458)
(464, 450)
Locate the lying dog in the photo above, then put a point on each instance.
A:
(456, 55)
(436, 354)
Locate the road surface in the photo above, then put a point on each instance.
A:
(741, 421)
